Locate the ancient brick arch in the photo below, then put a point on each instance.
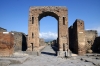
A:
(44, 14)
(36, 14)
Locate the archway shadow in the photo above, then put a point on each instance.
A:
(48, 53)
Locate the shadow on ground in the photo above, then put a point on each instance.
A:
(48, 53)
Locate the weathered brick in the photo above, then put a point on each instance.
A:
(6, 44)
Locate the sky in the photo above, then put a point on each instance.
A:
(14, 15)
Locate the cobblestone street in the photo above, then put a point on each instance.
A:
(48, 58)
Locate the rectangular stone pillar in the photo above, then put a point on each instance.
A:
(33, 33)
(79, 37)
(63, 37)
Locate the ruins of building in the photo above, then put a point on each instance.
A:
(6, 44)
(60, 14)
(20, 41)
(74, 38)
(77, 37)
(90, 36)
(3, 30)
(42, 42)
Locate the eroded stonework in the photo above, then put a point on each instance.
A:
(6, 44)
(77, 37)
(36, 14)
(20, 41)
(90, 36)
(42, 42)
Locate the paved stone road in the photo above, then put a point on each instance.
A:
(48, 58)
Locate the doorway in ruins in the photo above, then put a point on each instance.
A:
(48, 29)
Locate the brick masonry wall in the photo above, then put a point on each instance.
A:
(90, 36)
(6, 44)
(20, 41)
(77, 37)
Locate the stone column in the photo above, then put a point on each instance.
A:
(36, 35)
(79, 37)
(63, 37)
(33, 36)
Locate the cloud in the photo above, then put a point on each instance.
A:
(51, 35)
(48, 35)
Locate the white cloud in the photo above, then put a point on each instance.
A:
(48, 35)
(51, 35)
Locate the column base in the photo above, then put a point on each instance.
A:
(34, 53)
(64, 53)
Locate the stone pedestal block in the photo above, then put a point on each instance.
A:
(64, 53)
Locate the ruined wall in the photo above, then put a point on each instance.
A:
(3, 30)
(20, 42)
(96, 45)
(42, 42)
(71, 38)
(92, 41)
(77, 37)
(55, 43)
(6, 44)
(90, 36)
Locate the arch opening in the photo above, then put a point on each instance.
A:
(49, 16)
(44, 14)
(48, 28)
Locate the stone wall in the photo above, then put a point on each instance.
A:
(77, 37)
(71, 38)
(20, 41)
(90, 36)
(96, 45)
(42, 42)
(6, 44)
(3, 30)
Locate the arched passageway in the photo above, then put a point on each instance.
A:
(36, 14)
